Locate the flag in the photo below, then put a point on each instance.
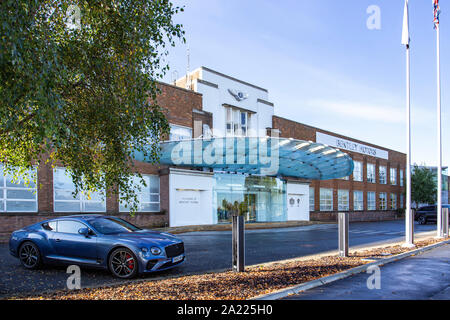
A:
(405, 33)
(437, 11)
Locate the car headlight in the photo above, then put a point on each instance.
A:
(155, 251)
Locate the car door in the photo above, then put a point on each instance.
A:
(70, 245)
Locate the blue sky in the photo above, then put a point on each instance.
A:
(324, 67)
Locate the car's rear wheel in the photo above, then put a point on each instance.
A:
(422, 220)
(29, 255)
(123, 263)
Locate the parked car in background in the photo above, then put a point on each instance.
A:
(427, 214)
(98, 241)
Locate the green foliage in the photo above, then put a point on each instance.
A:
(83, 95)
(423, 185)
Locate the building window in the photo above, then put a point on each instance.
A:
(17, 196)
(178, 133)
(148, 196)
(358, 171)
(393, 176)
(371, 173)
(64, 201)
(382, 199)
(326, 199)
(393, 201)
(311, 199)
(358, 201)
(383, 174)
(402, 201)
(237, 122)
(401, 178)
(343, 200)
(371, 202)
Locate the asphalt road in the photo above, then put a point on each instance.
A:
(208, 251)
(421, 277)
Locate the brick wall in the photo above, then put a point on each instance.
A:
(178, 105)
(291, 129)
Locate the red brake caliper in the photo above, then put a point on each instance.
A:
(131, 262)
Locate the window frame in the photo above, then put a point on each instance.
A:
(393, 196)
(82, 198)
(123, 209)
(393, 177)
(356, 200)
(311, 198)
(380, 169)
(323, 206)
(371, 201)
(4, 193)
(371, 176)
(382, 202)
(360, 176)
(341, 206)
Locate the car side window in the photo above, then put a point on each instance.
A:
(50, 226)
(70, 226)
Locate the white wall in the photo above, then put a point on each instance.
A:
(214, 98)
(299, 194)
(190, 198)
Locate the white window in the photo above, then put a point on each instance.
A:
(393, 176)
(371, 173)
(358, 171)
(63, 198)
(178, 133)
(393, 201)
(343, 200)
(17, 196)
(311, 199)
(326, 199)
(383, 201)
(371, 202)
(358, 201)
(401, 178)
(237, 122)
(148, 196)
(383, 175)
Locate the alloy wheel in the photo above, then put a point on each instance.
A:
(29, 255)
(123, 263)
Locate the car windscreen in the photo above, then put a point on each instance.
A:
(112, 225)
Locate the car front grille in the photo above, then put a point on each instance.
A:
(174, 250)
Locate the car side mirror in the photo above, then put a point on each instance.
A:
(84, 231)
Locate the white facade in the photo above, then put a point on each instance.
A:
(297, 201)
(221, 91)
(190, 197)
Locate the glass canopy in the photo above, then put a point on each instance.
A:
(267, 156)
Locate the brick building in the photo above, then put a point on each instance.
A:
(219, 105)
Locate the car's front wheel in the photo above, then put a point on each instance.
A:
(422, 220)
(29, 255)
(123, 263)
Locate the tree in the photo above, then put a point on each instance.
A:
(78, 86)
(423, 185)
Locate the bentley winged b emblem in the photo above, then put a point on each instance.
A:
(238, 95)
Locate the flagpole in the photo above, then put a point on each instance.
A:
(409, 219)
(409, 231)
(439, 140)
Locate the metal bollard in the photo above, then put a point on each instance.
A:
(238, 244)
(445, 222)
(343, 220)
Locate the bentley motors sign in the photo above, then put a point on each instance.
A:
(350, 146)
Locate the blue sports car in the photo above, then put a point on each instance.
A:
(96, 240)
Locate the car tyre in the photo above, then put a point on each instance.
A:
(29, 255)
(422, 220)
(123, 263)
